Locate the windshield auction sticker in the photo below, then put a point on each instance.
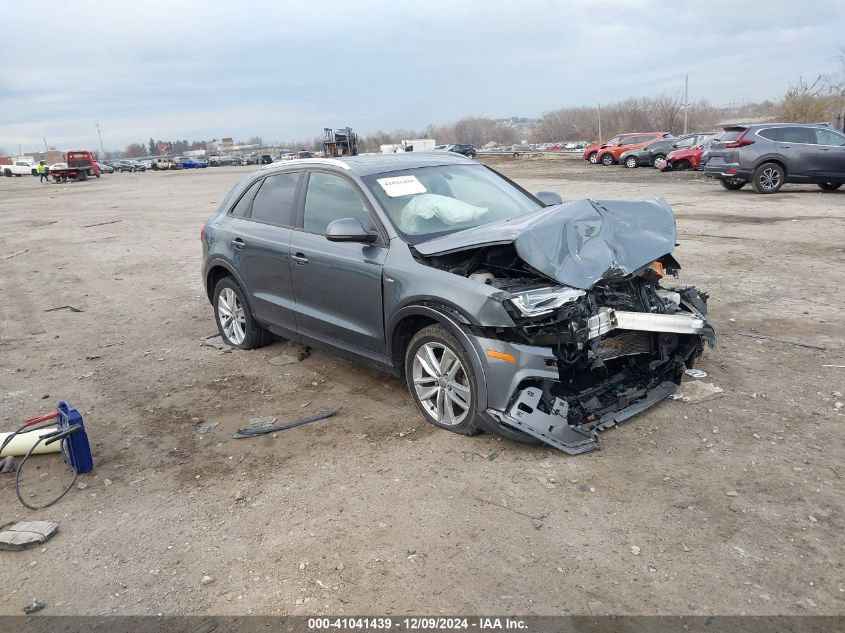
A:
(401, 186)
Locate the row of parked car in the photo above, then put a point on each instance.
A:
(767, 155)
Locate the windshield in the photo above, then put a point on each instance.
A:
(428, 202)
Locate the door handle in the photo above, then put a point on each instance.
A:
(824, 149)
(300, 259)
(238, 243)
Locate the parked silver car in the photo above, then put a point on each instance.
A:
(503, 311)
(769, 155)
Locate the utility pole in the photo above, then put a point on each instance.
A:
(46, 149)
(686, 102)
(102, 149)
(599, 109)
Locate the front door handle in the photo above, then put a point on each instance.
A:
(300, 259)
(238, 243)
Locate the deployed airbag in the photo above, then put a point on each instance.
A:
(431, 205)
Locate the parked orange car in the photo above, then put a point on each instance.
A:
(592, 152)
(609, 154)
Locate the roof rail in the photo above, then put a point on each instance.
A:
(316, 161)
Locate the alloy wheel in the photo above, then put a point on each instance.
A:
(770, 178)
(231, 315)
(441, 383)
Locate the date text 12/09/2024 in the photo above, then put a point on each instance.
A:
(417, 623)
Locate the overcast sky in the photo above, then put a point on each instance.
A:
(284, 70)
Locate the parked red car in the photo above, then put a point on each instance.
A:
(683, 159)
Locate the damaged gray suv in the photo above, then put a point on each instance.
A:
(503, 311)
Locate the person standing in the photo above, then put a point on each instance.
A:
(43, 172)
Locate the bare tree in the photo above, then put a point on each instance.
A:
(811, 102)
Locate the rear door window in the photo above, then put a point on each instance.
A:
(276, 199)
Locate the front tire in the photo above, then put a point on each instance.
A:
(768, 178)
(657, 161)
(441, 380)
(235, 322)
(731, 185)
(631, 162)
(607, 160)
(829, 186)
(593, 158)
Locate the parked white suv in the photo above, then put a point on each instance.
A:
(19, 168)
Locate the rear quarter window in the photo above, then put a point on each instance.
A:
(241, 208)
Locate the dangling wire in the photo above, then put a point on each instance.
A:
(65, 453)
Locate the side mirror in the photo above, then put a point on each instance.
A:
(349, 230)
(549, 198)
(675, 146)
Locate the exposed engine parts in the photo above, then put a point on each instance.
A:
(619, 347)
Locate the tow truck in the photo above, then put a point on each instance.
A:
(80, 166)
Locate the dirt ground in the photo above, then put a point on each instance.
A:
(730, 506)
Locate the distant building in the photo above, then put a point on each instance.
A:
(226, 143)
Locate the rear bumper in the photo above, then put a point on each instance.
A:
(726, 171)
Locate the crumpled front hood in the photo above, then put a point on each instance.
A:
(577, 243)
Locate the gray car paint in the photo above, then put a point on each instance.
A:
(577, 243)
(608, 238)
(802, 162)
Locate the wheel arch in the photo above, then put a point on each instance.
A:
(777, 159)
(409, 320)
(217, 269)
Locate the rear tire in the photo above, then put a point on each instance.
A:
(241, 330)
(607, 159)
(829, 186)
(768, 178)
(441, 380)
(731, 185)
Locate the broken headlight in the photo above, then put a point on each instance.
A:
(540, 301)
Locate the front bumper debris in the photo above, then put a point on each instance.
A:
(554, 429)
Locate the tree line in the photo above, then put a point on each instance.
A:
(822, 99)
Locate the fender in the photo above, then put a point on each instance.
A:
(219, 261)
(451, 323)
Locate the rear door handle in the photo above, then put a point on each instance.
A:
(300, 259)
(238, 243)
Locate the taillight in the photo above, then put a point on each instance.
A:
(740, 141)
(202, 234)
